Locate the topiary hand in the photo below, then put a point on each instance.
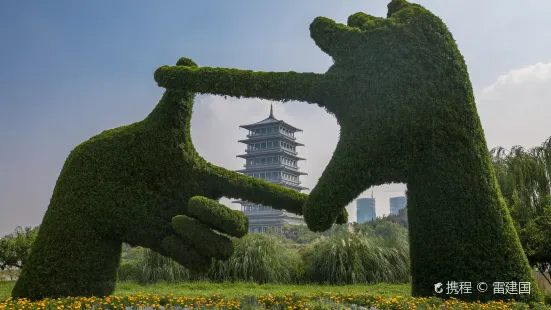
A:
(143, 184)
(197, 237)
(400, 91)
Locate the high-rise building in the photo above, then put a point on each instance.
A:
(271, 155)
(397, 204)
(365, 209)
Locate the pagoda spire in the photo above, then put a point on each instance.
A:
(271, 110)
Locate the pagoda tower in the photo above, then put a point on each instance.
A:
(271, 155)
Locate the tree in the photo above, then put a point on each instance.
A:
(400, 91)
(15, 247)
(403, 212)
(535, 238)
(524, 176)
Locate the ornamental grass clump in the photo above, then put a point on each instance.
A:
(154, 268)
(258, 258)
(354, 258)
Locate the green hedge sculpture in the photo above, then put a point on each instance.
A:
(400, 91)
(143, 184)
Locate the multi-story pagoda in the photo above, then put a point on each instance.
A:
(271, 155)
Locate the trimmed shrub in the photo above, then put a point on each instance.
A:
(126, 185)
(400, 91)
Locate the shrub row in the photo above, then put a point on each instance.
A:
(347, 257)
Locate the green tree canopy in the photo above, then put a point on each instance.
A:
(524, 176)
(15, 247)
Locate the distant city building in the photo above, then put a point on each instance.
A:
(271, 155)
(397, 204)
(365, 209)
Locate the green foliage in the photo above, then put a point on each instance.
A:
(266, 258)
(524, 176)
(131, 253)
(155, 268)
(151, 267)
(300, 234)
(130, 184)
(258, 258)
(229, 221)
(400, 218)
(353, 258)
(400, 91)
(214, 245)
(240, 289)
(536, 236)
(15, 247)
(129, 270)
(403, 212)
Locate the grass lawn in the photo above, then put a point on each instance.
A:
(5, 289)
(241, 289)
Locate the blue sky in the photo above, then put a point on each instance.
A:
(71, 69)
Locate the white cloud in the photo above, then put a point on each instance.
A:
(516, 109)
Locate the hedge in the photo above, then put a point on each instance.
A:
(132, 184)
(400, 91)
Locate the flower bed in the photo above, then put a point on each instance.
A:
(291, 301)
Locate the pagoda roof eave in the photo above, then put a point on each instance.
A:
(267, 121)
(291, 126)
(270, 154)
(272, 138)
(260, 169)
(285, 183)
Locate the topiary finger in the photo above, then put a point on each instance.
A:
(180, 251)
(186, 62)
(203, 239)
(361, 20)
(342, 218)
(218, 216)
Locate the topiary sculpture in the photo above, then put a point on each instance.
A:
(400, 91)
(143, 184)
